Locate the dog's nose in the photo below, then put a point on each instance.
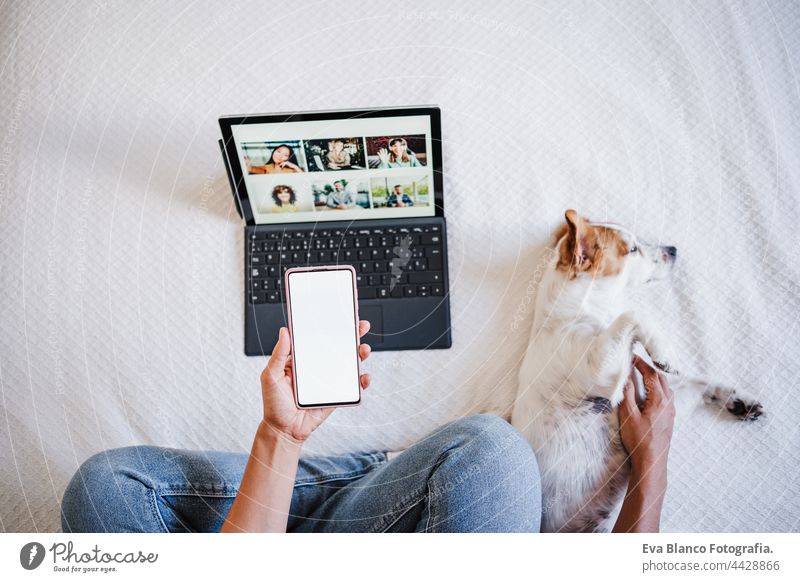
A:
(671, 251)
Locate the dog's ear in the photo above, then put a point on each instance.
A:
(574, 252)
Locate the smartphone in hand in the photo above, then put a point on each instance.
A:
(322, 305)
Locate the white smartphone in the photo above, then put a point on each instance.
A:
(322, 305)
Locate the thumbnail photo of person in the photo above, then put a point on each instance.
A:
(397, 192)
(284, 196)
(340, 153)
(397, 151)
(340, 195)
(267, 157)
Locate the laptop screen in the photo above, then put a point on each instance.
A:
(337, 169)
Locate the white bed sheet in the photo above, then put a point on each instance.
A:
(120, 250)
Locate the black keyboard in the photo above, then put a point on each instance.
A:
(393, 262)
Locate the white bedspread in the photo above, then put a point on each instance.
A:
(121, 252)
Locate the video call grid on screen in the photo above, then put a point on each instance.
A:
(344, 169)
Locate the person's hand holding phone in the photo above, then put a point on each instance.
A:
(277, 389)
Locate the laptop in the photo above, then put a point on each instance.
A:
(359, 187)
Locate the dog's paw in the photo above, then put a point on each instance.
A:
(738, 403)
(661, 353)
(666, 367)
(744, 408)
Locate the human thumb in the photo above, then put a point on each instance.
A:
(280, 353)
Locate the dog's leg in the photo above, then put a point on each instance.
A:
(657, 346)
(610, 356)
(611, 352)
(737, 402)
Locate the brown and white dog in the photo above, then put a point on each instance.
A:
(578, 360)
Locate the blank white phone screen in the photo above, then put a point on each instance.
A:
(324, 335)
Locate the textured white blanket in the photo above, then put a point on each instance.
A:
(120, 250)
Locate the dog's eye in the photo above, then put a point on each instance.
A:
(633, 249)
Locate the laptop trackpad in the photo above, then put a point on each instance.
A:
(373, 314)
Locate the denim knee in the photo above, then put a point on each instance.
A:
(489, 437)
(108, 494)
(487, 479)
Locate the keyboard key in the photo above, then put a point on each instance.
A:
(435, 262)
(367, 293)
(396, 291)
(410, 291)
(437, 290)
(429, 239)
(422, 277)
(258, 297)
(383, 292)
(273, 297)
(423, 291)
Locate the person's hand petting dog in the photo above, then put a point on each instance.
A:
(646, 432)
(277, 390)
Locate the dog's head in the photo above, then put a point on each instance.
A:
(608, 250)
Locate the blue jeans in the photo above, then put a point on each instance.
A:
(473, 474)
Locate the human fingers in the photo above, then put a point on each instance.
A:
(364, 351)
(629, 407)
(363, 327)
(669, 394)
(365, 380)
(652, 384)
(280, 354)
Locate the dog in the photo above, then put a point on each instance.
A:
(578, 360)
